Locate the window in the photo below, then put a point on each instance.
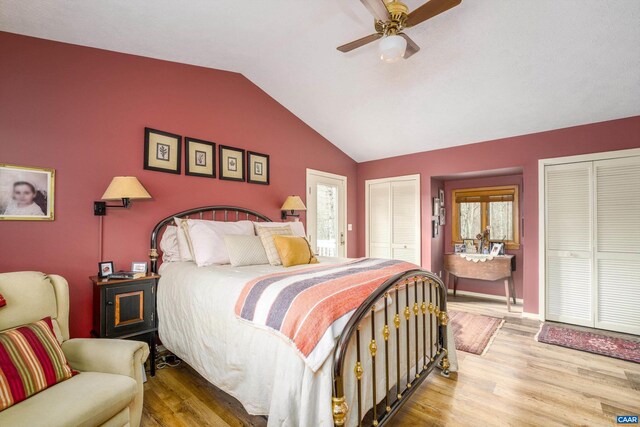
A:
(496, 207)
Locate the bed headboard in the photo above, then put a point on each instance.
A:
(214, 213)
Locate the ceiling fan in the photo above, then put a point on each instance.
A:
(391, 18)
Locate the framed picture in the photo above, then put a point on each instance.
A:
(459, 248)
(231, 163)
(497, 249)
(436, 206)
(258, 168)
(199, 158)
(435, 228)
(469, 246)
(105, 268)
(162, 151)
(26, 193)
(441, 193)
(139, 267)
(443, 215)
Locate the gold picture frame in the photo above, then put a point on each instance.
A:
(231, 163)
(162, 151)
(26, 193)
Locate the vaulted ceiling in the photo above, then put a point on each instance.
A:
(487, 68)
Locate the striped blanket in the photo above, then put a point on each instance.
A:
(309, 307)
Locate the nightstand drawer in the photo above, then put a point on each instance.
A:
(129, 308)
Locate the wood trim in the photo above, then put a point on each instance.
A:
(117, 314)
(486, 192)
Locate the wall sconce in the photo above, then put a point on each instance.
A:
(124, 188)
(292, 204)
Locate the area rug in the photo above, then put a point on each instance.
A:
(619, 348)
(473, 332)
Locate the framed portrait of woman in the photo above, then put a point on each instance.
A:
(26, 193)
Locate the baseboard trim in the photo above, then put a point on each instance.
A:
(535, 316)
(484, 296)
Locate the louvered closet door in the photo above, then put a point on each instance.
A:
(617, 255)
(569, 250)
(405, 214)
(380, 220)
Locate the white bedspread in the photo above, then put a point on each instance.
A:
(197, 323)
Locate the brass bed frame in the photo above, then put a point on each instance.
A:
(417, 296)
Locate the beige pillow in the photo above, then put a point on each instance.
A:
(245, 250)
(266, 236)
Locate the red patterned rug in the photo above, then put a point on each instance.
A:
(619, 348)
(473, 332)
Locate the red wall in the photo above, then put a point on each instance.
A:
(516, 152)
(481, 286)
(83, 111)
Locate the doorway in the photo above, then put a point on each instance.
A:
(327, 213)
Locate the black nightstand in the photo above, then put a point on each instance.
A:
(126, 309)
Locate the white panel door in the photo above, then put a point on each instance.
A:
(617, 248)
(393, 218)
(326, 213)
(569, 243)
(379, 224)
(405, 220)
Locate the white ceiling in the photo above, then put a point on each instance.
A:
(487, 69)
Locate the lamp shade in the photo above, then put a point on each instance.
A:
(125, 187)
(392, 48)
(293, 203)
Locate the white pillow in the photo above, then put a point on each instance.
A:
(207, 239)
(297, 227)
(266, 236)
(169, 244)
(245, 250)
(184, 245)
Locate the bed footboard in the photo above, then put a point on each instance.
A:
(414, 342)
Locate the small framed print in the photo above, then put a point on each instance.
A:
(139, 267)
(105, 268)
(200, 158)
(26, 193)
(459, 248)
(434, 228)
(231, 163)
(441, 197)
(258, 168)
(443, 215)
(469, 246)
(436, 206)
(497, 249)
(162, 151)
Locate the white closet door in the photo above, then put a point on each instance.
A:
(405, 207)
(569, 249)
(379, 230)
(617, 254)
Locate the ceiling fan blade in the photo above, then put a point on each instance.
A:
(377, 8)
(429, 10)
(358, 43)
(412, 47)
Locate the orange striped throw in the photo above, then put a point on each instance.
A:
(30, 361)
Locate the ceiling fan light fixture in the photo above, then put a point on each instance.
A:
(392, 48)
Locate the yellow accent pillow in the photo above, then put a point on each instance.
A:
(294, 250)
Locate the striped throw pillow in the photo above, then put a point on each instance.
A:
(30, 361)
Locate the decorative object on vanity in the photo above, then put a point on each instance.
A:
(162, 151)
(290, 206)
(473, 333)
(591, 342)
(459, 248)
(231, 163)
(258, 168)
(199, 158)
(470, 246)
(139, 266)
(481, 267)
(391, 18)
(124, 188)
(483, 239)
(126, 308)
(26, 193)
(497, 249)
(105, 268)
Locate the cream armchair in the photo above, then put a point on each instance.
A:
(109, 389)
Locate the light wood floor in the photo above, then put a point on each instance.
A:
(517, 382)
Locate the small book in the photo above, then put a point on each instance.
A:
(126, 275)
